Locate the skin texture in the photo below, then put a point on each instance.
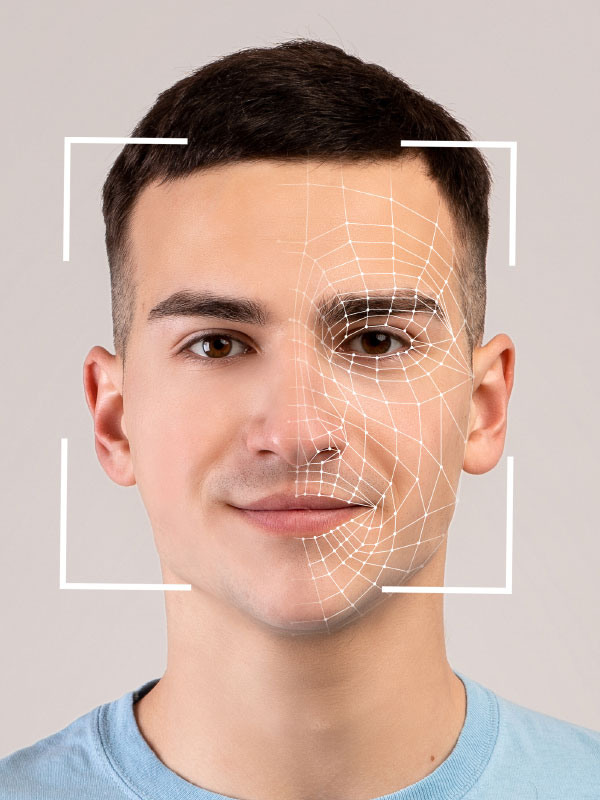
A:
(290, 674)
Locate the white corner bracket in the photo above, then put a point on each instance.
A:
(63, 583)
(69, 140)
(507, 588)
(512, 148)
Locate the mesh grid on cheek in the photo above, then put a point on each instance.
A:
(374, 430)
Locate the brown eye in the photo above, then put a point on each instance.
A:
(376, 343)
(217, 345)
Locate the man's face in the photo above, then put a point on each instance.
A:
(322, 354)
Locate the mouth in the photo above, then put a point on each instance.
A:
(287, 515)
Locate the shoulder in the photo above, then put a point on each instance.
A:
(544, 735)
(540, 756)
(66, 764)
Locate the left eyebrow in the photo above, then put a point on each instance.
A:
(343, 308)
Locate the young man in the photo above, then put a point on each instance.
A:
(299, 380)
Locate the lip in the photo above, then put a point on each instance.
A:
(288, 515)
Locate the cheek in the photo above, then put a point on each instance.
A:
(176, 431)
(414, 428)
(443, 428)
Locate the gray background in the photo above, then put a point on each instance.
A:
(511, 71)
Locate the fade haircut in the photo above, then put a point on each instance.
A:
(302, 99)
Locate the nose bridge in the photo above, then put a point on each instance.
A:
(302, 417)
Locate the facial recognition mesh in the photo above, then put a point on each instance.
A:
(381, 383)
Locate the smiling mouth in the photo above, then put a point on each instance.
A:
(285, 515)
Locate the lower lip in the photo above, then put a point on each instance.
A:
(301, 521)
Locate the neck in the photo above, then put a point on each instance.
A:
(247, 711)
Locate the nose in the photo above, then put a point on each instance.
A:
(299, 419)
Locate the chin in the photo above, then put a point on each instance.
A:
(302, 610)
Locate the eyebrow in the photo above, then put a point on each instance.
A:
(206, 304)
(333, 310)
(348, 306)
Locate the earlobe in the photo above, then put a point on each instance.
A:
(493, 376)
(102, 385)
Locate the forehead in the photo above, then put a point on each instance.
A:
(265, 226)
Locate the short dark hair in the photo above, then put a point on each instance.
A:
(301, 99)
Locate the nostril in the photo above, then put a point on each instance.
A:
(325, 454)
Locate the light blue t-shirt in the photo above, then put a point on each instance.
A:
(504, 752)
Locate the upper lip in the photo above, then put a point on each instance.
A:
(282, 502)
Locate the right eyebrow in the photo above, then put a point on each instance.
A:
(187, 303)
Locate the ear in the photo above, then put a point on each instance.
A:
(493, 375)
(102, 381)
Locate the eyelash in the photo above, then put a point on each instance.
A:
(407, 341)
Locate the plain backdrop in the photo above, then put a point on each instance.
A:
(523, 71)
